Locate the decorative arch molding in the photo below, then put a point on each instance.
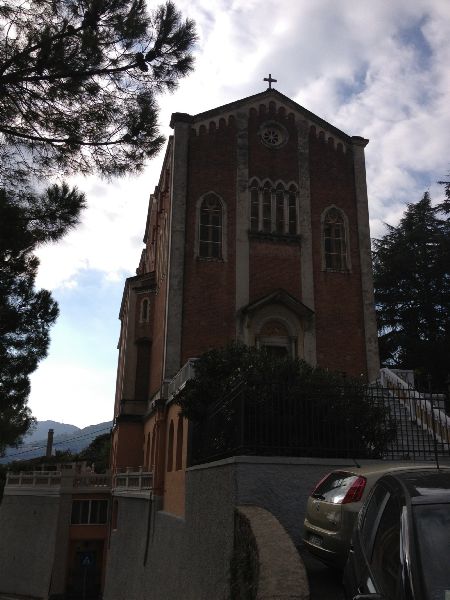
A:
(211, 195)
(277, 320)
(335, 243)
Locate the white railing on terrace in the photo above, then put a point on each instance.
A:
(186, 372)
(434, 420)
(34, 478)
(91, 480)
(67, 479)
(132, 480)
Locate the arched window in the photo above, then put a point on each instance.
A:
(334, 240)
(273, 209)
(170, 448)
(210, 227)
(274, 338)
(179, 456)
(145, 310)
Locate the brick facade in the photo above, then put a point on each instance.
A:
(271, 273)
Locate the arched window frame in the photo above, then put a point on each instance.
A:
(223, 233)
(145, 310)
(288, 341)
(345, 263)
(273, 207)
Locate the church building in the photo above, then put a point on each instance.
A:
(257, 231)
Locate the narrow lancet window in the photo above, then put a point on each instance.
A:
(210, 238)
(334, 239)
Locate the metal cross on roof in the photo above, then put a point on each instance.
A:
(270, 80)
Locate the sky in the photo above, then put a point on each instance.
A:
(380, 70)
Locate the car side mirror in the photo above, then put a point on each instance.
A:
(369, 597)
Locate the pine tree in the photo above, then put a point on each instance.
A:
(78, 86)
(78, 80)
(26, 314)
(412, 290)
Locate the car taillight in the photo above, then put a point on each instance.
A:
(355, 491)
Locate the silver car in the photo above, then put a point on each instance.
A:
(333, 507)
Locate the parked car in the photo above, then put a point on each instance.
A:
(401, 544)
(333, 507)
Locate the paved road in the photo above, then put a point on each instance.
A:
(324, 583)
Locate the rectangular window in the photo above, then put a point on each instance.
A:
(89, 512)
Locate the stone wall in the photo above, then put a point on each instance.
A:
(28, 526)
(163, 557)
(169, 558)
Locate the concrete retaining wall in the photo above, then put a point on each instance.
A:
(28, 527)
(186, 558)
(190, 558)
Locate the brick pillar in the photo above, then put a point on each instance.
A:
(365, 255)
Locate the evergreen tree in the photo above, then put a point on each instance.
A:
(412, 290)
(78, 80)
(77, 84)
(26, 314)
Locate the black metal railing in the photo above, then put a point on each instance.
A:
(352, 421)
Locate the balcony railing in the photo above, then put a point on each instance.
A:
(133, 480)
(57, 480)
(34, 479)
(186, 372)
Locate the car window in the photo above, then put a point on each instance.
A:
(371, 516)
(334, 488)
(432, 524)
(385, 561)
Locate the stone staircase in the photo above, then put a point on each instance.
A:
(422, 430)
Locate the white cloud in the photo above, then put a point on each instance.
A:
(77, 394)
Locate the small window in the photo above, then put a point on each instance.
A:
(334, 240)
(210, 235)
(145, 310)
(89, 512)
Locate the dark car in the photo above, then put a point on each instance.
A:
(401, 544)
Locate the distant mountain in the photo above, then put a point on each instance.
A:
(41, 428)
(66, 437)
